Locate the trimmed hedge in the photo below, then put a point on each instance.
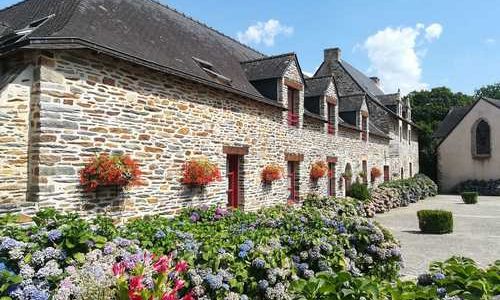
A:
(483, 187)
(398, 193)
(470, 197)
(435, 221)
(360, 191)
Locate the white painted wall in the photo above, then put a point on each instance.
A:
(455, 160)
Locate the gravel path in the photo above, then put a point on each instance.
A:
(476, 232)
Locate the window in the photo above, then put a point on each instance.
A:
(386, 174)
(331, 117)
(293, 107)
(482, 139)
(411, 170)
(331, 179)
(293, 181)
(211, 71)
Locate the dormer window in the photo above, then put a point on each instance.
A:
(293, 107)
(13, 36)
(211, 71)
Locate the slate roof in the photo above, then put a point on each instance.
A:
(495, 102)
(351, 103)
(141, 31)
(352, 81)
(389, 99)
(10, 75)
(374, 130)
(267, 67)
(317, 86)
(454, 116)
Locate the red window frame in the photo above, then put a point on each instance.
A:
(292, 182)
(293, 116)
(386, 174)
(331, 179)
(331, 118)
(233, 191)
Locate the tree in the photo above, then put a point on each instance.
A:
(429, 108)
(490, 91)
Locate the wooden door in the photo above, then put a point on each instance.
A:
(233, 191)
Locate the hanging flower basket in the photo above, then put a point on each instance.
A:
(200, 172)
(318, 170)
(271, 172)
(110, 170)
(375, 173)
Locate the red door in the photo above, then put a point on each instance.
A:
(233, 192)
(331, 179)
(386, 173)
(292, 183)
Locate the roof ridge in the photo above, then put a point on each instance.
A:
(269, 57)
(157, 2)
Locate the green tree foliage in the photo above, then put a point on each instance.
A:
(490, 91)
(428, 109)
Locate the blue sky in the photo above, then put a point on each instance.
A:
(409, 44)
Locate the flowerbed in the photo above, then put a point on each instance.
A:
(398, 193)
(457, 278)
(227, 254)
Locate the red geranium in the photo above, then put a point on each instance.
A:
(200, 172)
(106, 170)
(375, 172)
(318, 170)
(271, 173)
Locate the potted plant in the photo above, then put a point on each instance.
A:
(271, 172)
(200, 172)
(106, 170)
(469, 197)
(318, 170)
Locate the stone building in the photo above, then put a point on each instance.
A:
(469, 144)
(136, 77)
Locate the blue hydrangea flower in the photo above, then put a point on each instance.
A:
(259, 263)
(438, 276)
(54, 235)
(160, 234)
(8, 244)
(441, 292)
(195, 217)
(108, 249)
(242, 254)
(3, 267)
(214, 281)
(263, 284)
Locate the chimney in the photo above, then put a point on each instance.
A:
(332, 54)
(376, 80)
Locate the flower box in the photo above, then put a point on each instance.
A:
(271, 172)
(200, 172)
(110, 170)
(318, 169)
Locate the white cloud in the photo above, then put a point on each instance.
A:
(264, 32)
(490, 41)
(308, 74)
(395, 56)
(433, 31)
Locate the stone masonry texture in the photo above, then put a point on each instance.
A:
(67, 106)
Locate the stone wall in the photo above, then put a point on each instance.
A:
(86, 103)
(15, 95)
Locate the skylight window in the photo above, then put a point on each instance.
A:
(211, 71)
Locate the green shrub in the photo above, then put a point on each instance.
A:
(435, 221)
(470, 197)
(360, 191)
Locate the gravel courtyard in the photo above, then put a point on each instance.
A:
(476, 232)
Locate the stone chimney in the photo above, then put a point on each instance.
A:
(376, 80)
(332, 54)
